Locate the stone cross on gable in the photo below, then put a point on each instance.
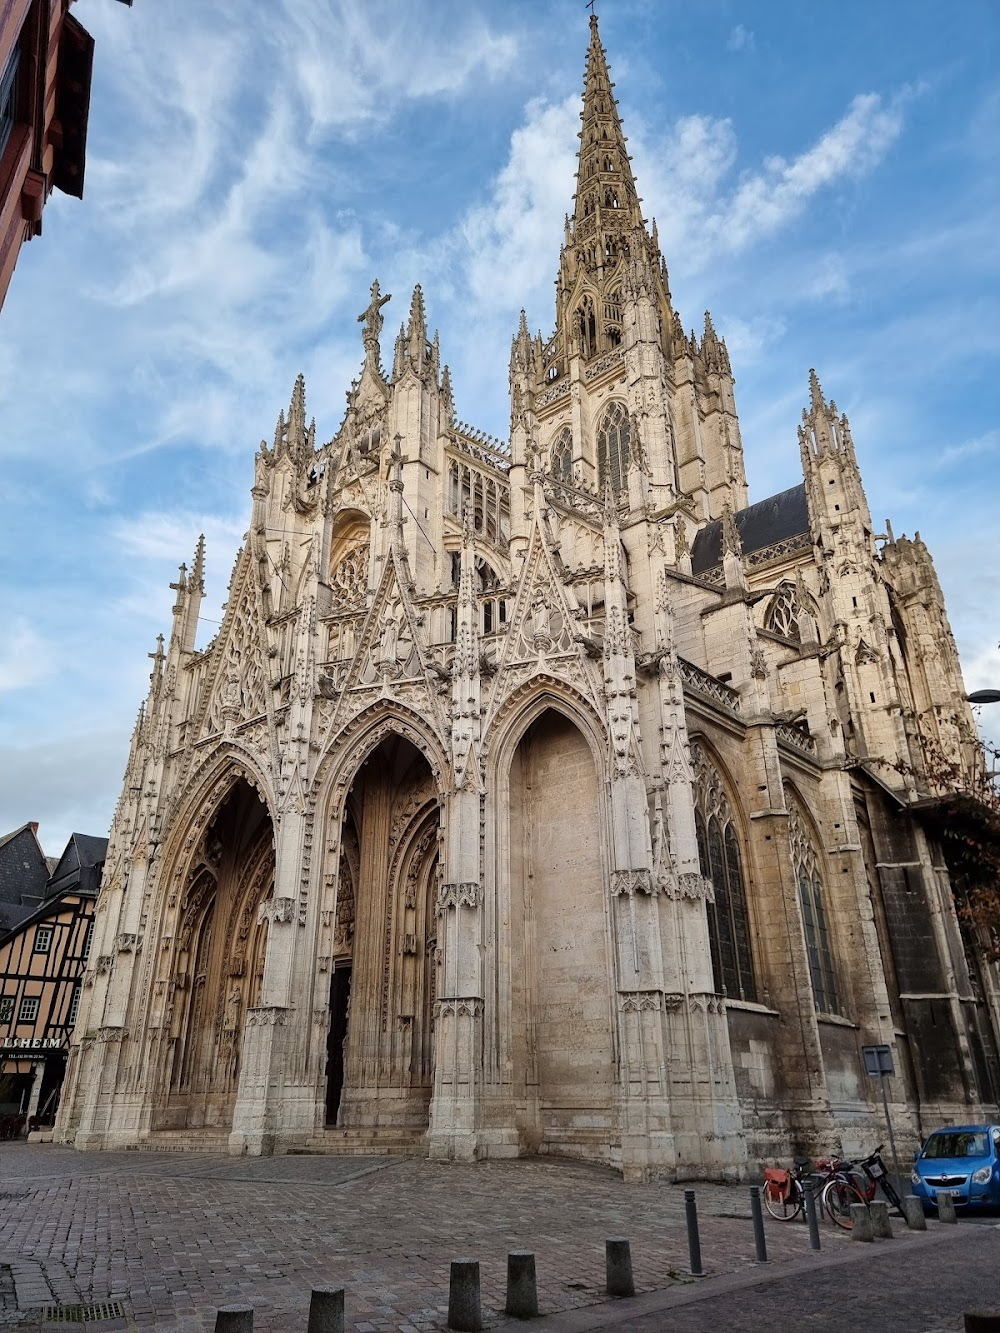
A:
(371, 318)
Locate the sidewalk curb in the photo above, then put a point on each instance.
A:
(615, 1313)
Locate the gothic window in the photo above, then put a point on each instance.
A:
(722, 863)
(805, 864)
(561, 455)
(783, 613)
(612, 446)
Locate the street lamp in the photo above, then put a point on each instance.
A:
(984, 697)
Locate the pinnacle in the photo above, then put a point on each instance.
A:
(815, 391)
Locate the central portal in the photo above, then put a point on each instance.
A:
(561, 989)
(380, 1062)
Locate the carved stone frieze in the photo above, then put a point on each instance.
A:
(690, 885)
(470, 1007)
(627, 883)
(279, 911)
(457, 895)
(267, 1016)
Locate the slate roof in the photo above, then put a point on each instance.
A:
(80, 865)
(24, 874)
(772, 520)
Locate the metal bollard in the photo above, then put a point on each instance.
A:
(326, 1310)
(861, 1222)
(618, 1266)
(234, 1319)
(982, 1321)
(464, 1309)
(881, 1226)
(913, 1211)
(757, 1213)
(813, 1220)
(522, 1286)
(694, 1241)
(945, 1206)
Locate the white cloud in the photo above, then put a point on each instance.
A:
(25, 657)
(685, 178)
(740, 39)
(517, 231)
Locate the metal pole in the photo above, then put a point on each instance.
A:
(757, 1213)
(811, 1218)
(892, 1139)
(694, 1242)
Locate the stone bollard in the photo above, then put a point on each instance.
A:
(464, 1309)
(913, 1211)
(694, 1239)
(757, 1214)
(982, 1321)
(618, 1263)
(945, 1206)
(861, 1222)
(522, 1286)
(326, 1310)
(879, 1214)
(234, 1319)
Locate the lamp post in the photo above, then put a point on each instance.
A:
(984, 697)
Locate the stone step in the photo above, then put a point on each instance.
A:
(367, 1141)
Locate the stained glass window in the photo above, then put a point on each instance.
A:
(721, 862)
(612, 446)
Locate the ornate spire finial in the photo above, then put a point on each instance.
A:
(197, 580)
(604, 181)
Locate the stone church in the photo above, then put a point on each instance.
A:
(543, 795)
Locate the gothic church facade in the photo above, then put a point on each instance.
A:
(543, 796)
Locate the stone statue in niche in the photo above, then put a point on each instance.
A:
(388, 644)
(541, 619)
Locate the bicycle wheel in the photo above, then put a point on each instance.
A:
(782, 1203)
(837, 1196)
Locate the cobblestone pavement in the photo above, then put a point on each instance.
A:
(174, 1235)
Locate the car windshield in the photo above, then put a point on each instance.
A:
(957, 1143)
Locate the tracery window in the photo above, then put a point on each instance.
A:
(722, 863)
(612, 446)
(561, 455)
(805, 864)
(783, 613)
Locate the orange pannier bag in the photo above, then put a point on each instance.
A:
(777, 1177)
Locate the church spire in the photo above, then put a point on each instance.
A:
(605, 186)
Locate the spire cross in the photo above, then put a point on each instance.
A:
(590, 5)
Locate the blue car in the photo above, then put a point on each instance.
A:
(965, 1161)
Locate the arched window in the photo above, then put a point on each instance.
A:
(721, 862)
(612, 446)
(805, 864)
(561, 455)
(783, 613)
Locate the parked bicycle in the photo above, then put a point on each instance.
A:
(784, 1192)
(838, 1185)
(877, 1176)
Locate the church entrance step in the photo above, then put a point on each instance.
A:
(368, 1141)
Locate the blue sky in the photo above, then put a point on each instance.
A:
(824, 179)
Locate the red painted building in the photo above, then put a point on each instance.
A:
(45, 65)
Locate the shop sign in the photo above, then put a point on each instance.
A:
(31, 1044)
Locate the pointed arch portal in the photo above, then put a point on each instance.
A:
(217, 963)
(380, 1044)
(561, 1028)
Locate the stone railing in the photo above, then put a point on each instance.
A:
(778, 550)
(709, 687)
(795, 737)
